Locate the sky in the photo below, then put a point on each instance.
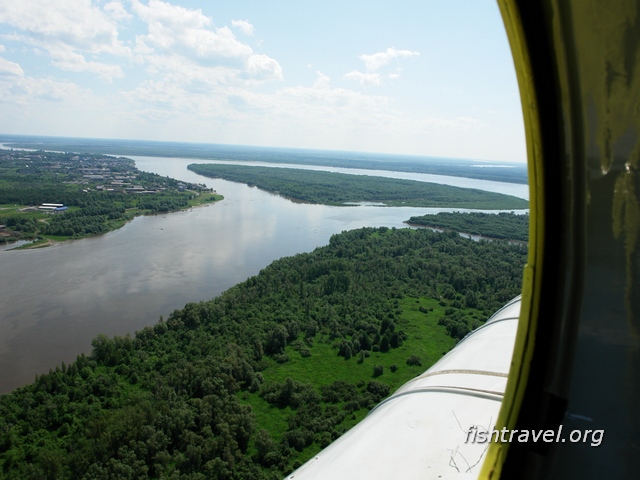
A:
(417, 77)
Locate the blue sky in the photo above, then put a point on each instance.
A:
(421, 77)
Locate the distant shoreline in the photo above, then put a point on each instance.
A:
(465, 234)
(506, 226)
(468, 168)
(341, 189)
(96, 194)
(49, 242)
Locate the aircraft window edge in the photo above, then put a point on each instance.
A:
(532, 275)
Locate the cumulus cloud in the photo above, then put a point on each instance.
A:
(262, 66)
(117, 11)
(10, 68)
(18, 89)
(65, 29)
(244, 26)
(367, 79)
(372, 63)
(322, 81)
(67, 59)
(194, 76)
(328, 102)
(178, 36)
(303, 106)
(375, 61)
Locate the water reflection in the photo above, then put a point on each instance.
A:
(178, 165)
(56, 300)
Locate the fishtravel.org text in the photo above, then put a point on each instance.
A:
(477, 434)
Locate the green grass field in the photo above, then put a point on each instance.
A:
(425, 338)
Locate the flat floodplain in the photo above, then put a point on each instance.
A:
(263, 376)
(330, 188)
(483, 170)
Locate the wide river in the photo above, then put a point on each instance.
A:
(55, 300)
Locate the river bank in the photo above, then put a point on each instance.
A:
(48, 241)
(57, 299)
(49, 196)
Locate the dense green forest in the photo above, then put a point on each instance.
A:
(256, 381)
(499, 172)
(101, 192)
(503, 225)
(331, 188)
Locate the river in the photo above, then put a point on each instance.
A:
(54, 301)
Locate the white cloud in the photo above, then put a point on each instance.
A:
(370, 77)
(262, 66)
(18, 89)
(10, 68)
(222, 105)
(67, 30)
(367, 79)
(323, 103)
(176, 29)
(67, 59)
(244, 26)
(179, 37)
(375, 61)
(117, 11)
(74, 22)
(166, 95)
(322, 81)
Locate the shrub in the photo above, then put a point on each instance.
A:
(414, 360)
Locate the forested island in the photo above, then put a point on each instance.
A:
(59, 196)
(503, 225)
(495, 171)
(256, 381)
(331, 188)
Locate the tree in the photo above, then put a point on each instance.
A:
(276, 339)
(265, 447)
(414, 360)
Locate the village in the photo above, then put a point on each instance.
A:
(75, 195)
(91, 171)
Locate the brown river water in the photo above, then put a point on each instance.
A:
(55, 300)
